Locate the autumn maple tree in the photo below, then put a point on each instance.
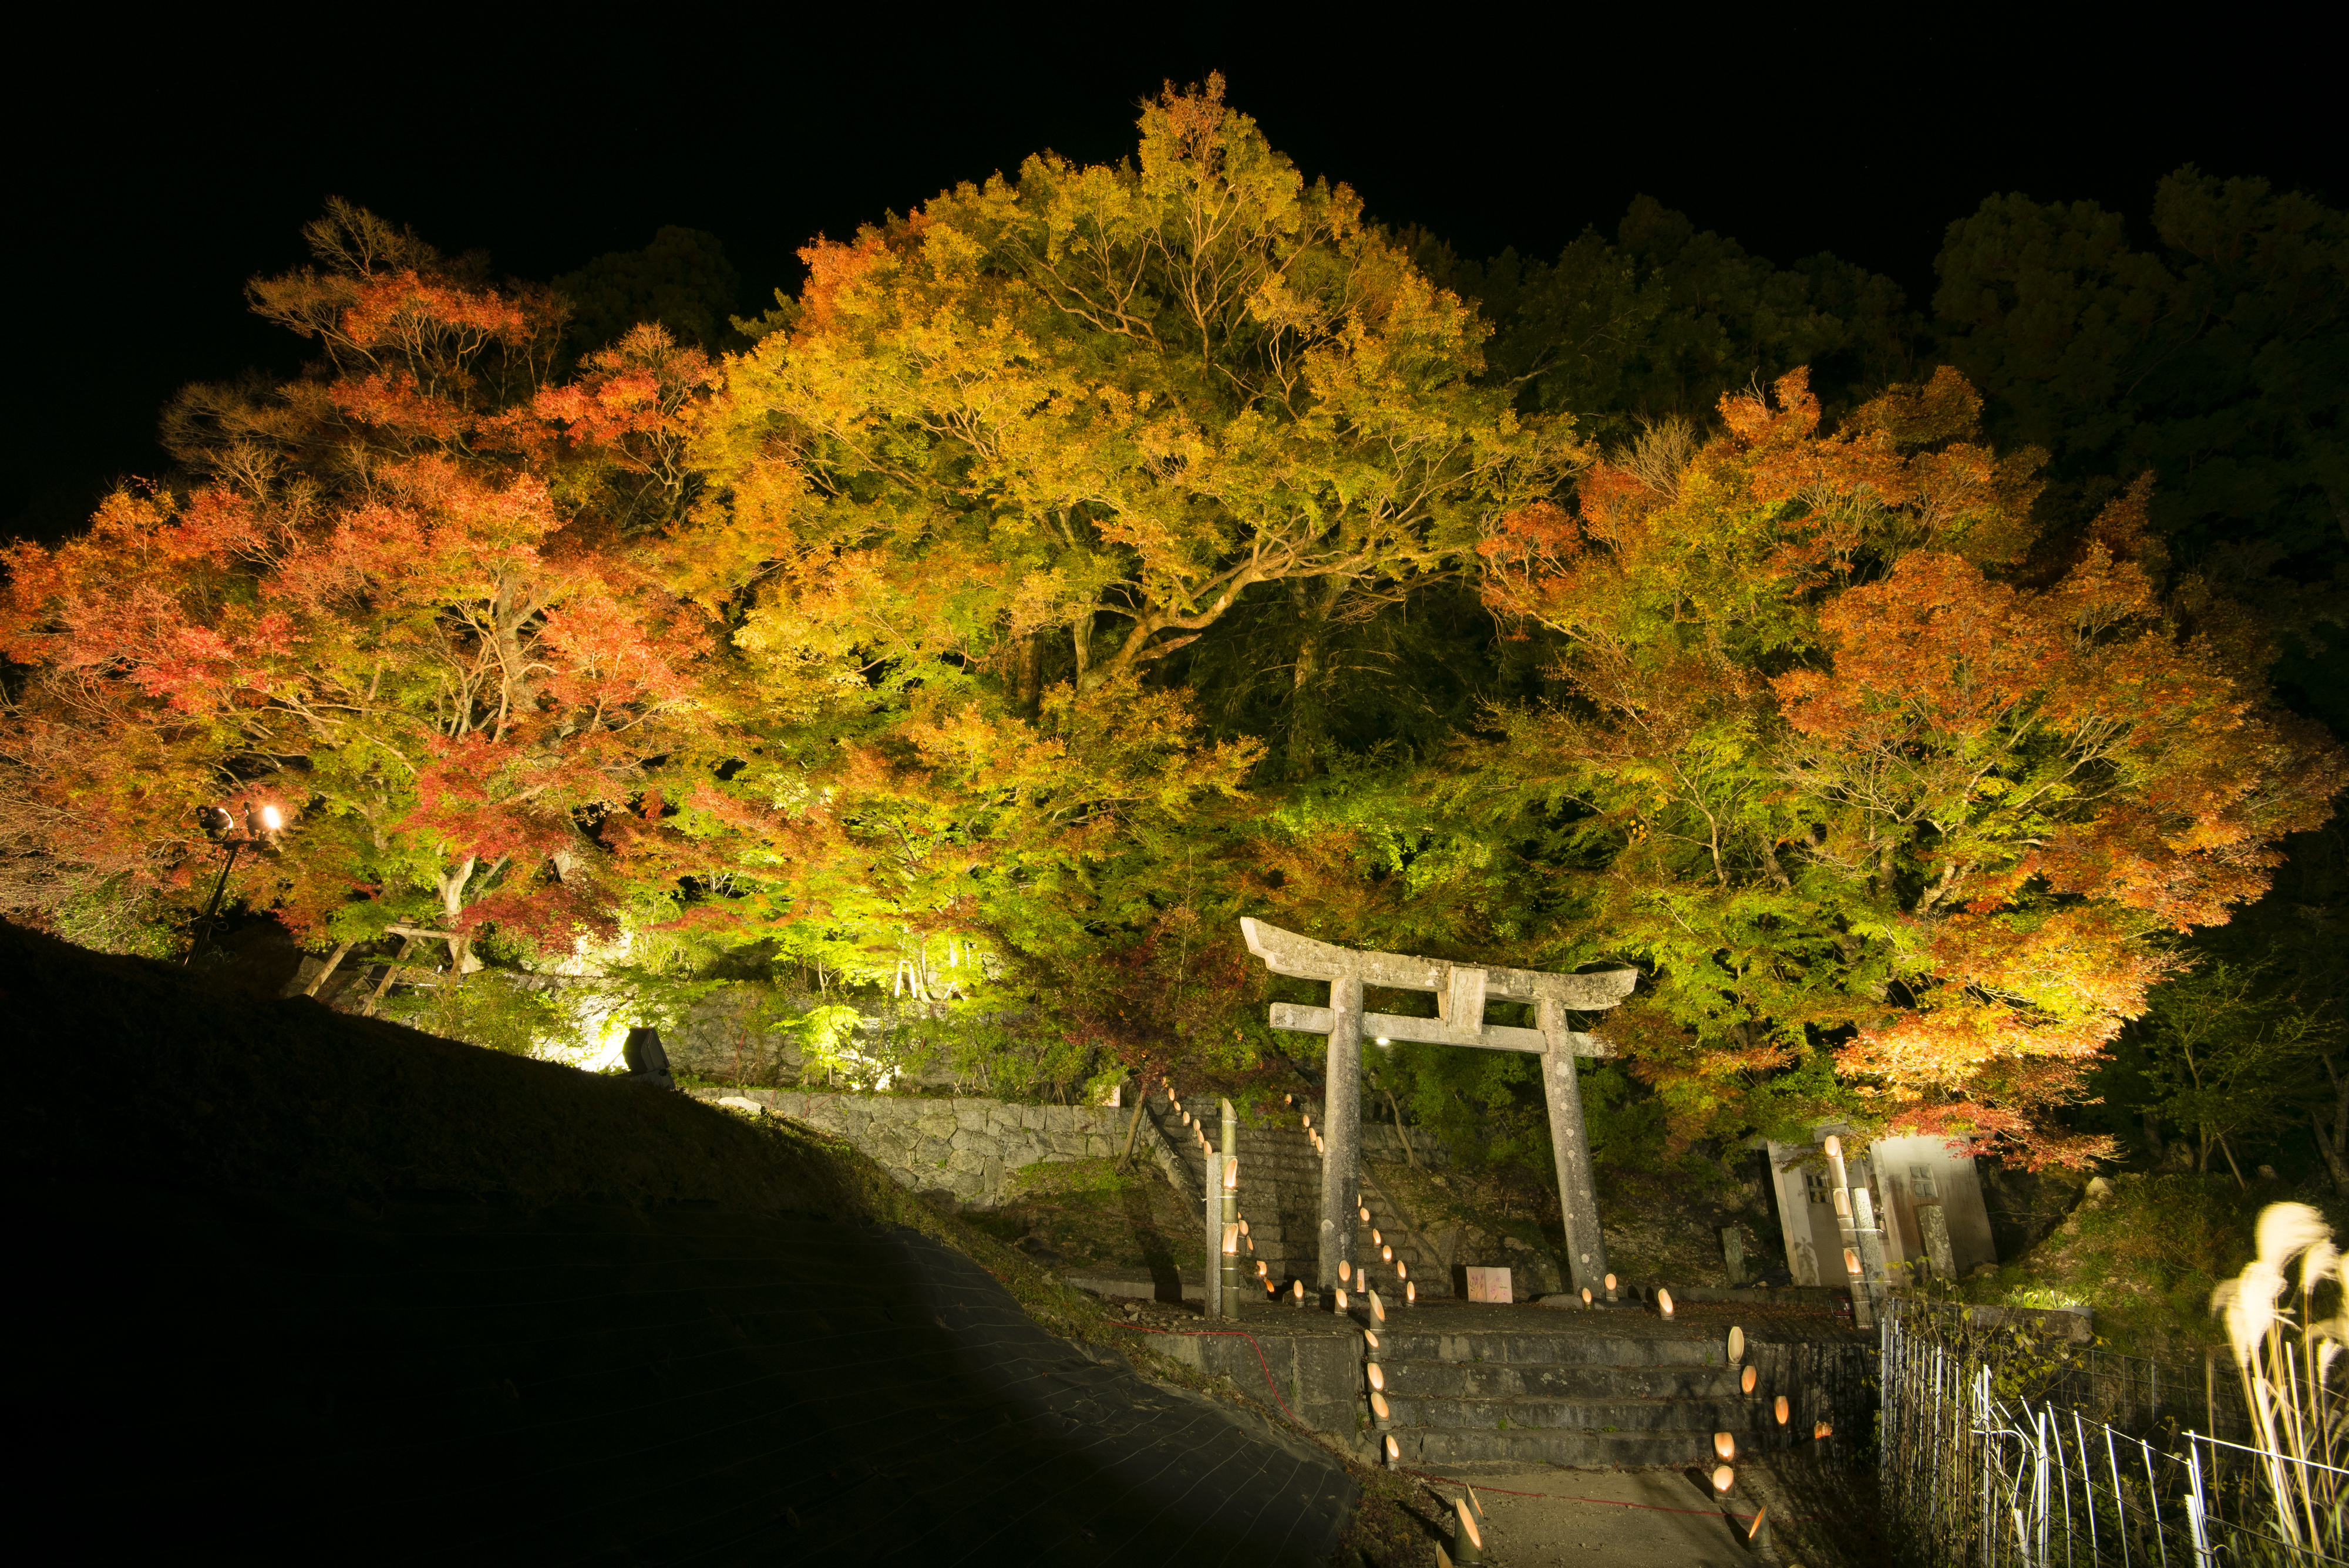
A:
(403, 606)
(1857, 763)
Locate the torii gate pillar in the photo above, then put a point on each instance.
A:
(1460, 994)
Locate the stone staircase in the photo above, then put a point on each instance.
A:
(1280, 1198)
(1580, 1399)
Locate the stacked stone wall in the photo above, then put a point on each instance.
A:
(970, 1147)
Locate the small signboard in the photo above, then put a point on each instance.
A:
(1489, 1285)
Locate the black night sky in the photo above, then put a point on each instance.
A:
(146, 186)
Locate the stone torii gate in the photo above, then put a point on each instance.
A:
(1460, 991)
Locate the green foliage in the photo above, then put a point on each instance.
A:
(496, 1009)
(2226, 1054)
(682, 280)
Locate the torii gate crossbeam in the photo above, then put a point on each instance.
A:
(1460, 991)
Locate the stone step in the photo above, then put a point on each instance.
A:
(1403, 1343)
(1435, 1447)
(1740, 1415)
(1554, 1380)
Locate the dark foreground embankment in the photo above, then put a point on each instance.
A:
(305, 1286)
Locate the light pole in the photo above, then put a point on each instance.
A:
(220, 825)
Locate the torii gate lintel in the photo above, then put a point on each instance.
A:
(1460, 991)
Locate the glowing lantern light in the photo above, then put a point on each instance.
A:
(1822, 1432)
(1386, 1254)
(1723, 1478)
(1586, 1295)
(1780, 1410)
(1737, 1345)
(1345, 1271)
(1394, 1454)
(1745, 1384)
(1379, 1408)
(1664, 1302)
(1724, 1445)
(271, 819)
(1378, 1377)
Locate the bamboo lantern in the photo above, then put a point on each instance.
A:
(1341, 1298)
(1378, 1308)
(1379, 1409)
(1586, 1295)
(1260, 1269)
(1394, 1454)
(1296, 1292)
(1758, 1534)
(1468, 1541)
(1231, 1173)
(1724, 1446)
(1752, 1376)
(1822, 1432)
(1345, 1271)
(1244, 1230)
(1288, 1099)
(1186, 1118)
(1364, 1213)
(1611, 1287)
(1308, 1121)
(1723, 1478)
(1376, 1240)
(1386, 1254)
(1851, 1263)
(1378, 1377)
(1372, 1338)
(1271, 1290)
(1780, 1410)
(1410, 1291)
(1403, 1271)
(1664, 1302)
(1737, 1345)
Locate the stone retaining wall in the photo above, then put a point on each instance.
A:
(968, 1147)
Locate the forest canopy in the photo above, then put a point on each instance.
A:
(1092, 555)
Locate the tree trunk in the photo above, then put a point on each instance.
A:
(1315, 599)
(1029, 674)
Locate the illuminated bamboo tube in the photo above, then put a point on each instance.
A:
(1379, 1408)
(1410, 1291)
(1757, 1534)
(1296, 1292)
(1386, 1254)
(1748, 1379)
(1781, 1410)
(1586, 1295)
(1363, 1213)
(1724, 1446)
(1664, 1302)
(1371, 1338)
(1394, 1453)
(1467, 1538)
(1260, 1272)
(1345, 1271)
(1341, 1298)
(1377, 1240)
(1723, 1478)
(1821, 1432)
(1737, 1345)
(1611, 1287)
(1378, 1308)
(1402, 1270)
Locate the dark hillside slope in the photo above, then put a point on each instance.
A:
(306, 1287)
